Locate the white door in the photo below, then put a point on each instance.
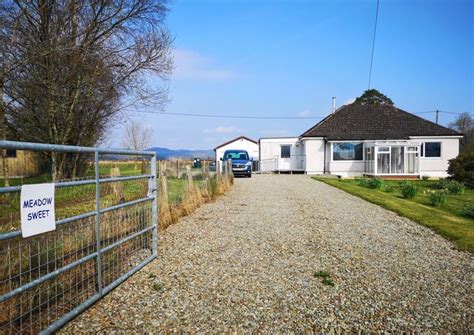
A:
(285, 158)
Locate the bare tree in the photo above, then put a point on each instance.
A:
(74, 66)
(464, 124)
(136, 136)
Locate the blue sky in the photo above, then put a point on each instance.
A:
(288, 58)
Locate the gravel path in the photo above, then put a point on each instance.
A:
(246, 263)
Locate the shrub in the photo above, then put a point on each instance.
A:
(375, 183)
(461, 169)
(437, 198)
(450, 186)
(362, 181)
(388, 189)
(441, 184)
(468, 210)
(408, 190)
(455, 187)
(425, 178)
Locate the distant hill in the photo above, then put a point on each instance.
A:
(165, 153)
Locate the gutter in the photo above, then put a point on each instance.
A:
(324, 166)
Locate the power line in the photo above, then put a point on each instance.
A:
(220, 116)
(373, 42)
(446, 112)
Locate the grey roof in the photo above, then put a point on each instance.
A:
(375, 122)
(235, 139)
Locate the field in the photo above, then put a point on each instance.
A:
(447, 220)
(80, 199)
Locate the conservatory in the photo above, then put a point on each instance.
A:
(392, 158)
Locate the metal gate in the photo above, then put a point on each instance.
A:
(106, 230)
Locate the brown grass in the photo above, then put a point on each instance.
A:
(25, 164)
(194, 198)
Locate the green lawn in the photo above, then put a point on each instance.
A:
(446, 220)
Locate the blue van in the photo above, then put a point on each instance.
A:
(241, 162)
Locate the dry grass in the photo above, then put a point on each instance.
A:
(194, 197)
(25, 164)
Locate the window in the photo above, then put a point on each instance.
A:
(431, 149)
(235, 154)
(285, 151)
(347, 151)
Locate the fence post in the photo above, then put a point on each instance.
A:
(177, 169)
(117, 187)
(152, 190)
(97, 221)
(228, 168)
(190, 177)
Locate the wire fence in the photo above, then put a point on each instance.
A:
(184, 186)
(106, 229)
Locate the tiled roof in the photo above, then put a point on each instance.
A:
(374, 122)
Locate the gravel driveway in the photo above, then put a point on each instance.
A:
(246, 263)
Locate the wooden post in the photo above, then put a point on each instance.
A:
(190, 177)
(218, 170)
(228, 169)
(177, 168)
(164, 189)
(117, 187)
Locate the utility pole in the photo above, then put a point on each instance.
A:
(437, 116)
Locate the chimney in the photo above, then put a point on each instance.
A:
(333, 104)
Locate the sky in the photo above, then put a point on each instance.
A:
(288, 58)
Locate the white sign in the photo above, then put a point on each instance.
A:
(37, 209)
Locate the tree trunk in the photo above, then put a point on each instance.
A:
(3, 129)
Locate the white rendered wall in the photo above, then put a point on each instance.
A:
(270, 151)
(314, 152)
(438, 166)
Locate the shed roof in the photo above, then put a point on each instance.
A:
(235, 140)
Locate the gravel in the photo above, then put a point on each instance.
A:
(246, 263)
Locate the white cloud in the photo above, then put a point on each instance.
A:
(305, 113)
(221, 130)
(225, 130)
(192, 65)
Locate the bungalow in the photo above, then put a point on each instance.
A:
(365, 139)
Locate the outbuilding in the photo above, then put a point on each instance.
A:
(239, 143)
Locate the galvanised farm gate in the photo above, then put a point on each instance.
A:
(106, 230)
